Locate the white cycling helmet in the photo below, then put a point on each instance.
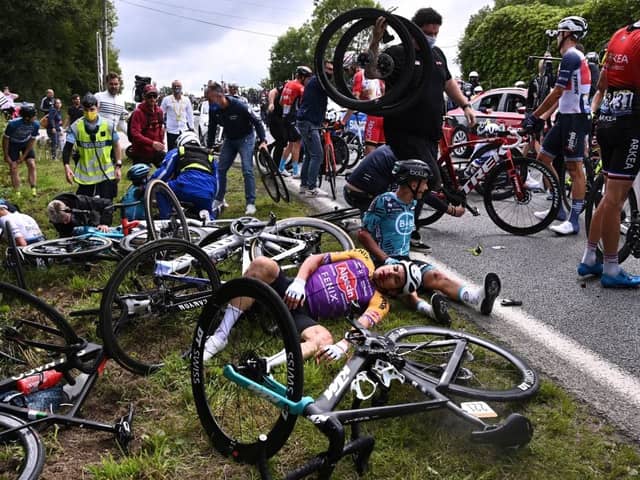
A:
(574, 24)
(478, 89)
(520, 84)
(186, 138)
(473, 74)
(412, 278)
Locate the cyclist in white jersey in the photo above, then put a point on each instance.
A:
(567, 136)
(25, 229)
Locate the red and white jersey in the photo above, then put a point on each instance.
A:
(623, 59)
(289, 99)
(367, 88)
(574, 77)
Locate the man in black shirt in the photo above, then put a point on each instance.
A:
(74, 112)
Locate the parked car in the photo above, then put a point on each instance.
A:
(504, 106)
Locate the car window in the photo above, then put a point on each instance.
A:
(514, 101)
(489, 101)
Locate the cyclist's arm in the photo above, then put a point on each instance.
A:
(310, 265)
(548, 103)
(272, 99)
(603, 83)
(376, 310)
(167, 168)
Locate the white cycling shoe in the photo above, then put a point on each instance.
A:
(212, 346)
(565, 228)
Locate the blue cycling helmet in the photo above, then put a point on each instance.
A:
(138, 173)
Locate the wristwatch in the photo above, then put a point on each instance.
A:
(118, 165)
(467, 105)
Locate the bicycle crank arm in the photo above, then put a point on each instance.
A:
(474, 211)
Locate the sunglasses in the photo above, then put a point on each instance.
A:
(151, 95)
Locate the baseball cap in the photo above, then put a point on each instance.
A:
(149, 89)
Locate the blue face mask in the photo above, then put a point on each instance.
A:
(431, 40)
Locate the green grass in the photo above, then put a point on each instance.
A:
(570, 441)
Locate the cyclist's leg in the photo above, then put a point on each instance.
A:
(14, 154)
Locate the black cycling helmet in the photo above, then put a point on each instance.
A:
(89, 100)
(303, 71)
(406, 170)
(27, 110)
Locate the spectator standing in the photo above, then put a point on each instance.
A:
(240, 127)
(111, 103)
(94, 138)
(9, 103)
(54, 127)
(47, 101)
(178, 114)
(74, 112)
(17, 144)
(310, 115)
(147, 129)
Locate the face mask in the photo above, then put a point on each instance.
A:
(177, 90)
(431, 40)
(91, 116)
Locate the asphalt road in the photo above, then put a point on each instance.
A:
(571, 329)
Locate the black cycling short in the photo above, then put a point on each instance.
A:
(620, 147)
(567, 137)
(15, 149)
(359, 200)
(301, 315)
(292, 134)
(411, 147)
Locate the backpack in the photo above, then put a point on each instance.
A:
(133, 194)
(160, 120)
(140, 83)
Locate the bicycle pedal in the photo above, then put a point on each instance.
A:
(124, 430)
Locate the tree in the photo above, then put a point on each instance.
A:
(52, 44)
(297, 45)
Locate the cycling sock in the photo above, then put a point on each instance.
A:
(296, 168)
(611, 266)
(576, 208)
(589, 255)
(231, 315)
(283, 164)
(425, 308)
(471, 296)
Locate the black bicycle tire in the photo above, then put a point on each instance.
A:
(156, 186)
(330, 170)
(431, 218)
(14, 256)
(284, 424)
(595, 195)
(99, 244)
(355, 140)
(31, 443)
(521, 164)
(283, 190)
(524, 386)
(268, 178)
(346, 243)
(107, 325)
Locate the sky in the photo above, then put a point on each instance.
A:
(154, 39)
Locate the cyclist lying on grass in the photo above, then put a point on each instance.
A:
(386, 234)
(325, 287)
(97, 212)
(24, 228)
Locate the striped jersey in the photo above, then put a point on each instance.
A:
(574, 77)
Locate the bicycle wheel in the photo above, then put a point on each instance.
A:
(14, 259)
(356, 150)
(233, 416)
(317, 236)
(61, 248)
(30, 332)
(268, 171)
(628, 229)
(171, 223)
(151, 301)
(515, 213)
(134, 240)
(428, 214)
(486, 371)
(330, 168)
(22, 453)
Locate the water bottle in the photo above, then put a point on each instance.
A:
(39, 381)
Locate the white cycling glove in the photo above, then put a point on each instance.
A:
(295, 291)
(334, 352)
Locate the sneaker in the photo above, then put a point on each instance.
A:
(562, 216)
(621, 280)
(440, 308)
(251, 209)
(584, 269)
(212, 346)
(284, 173)
(492, 287)
(315, 192)
(565, 228)
(296, 176)
(34, 192)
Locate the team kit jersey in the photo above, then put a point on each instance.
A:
(22, 225)
(290, 98)
(574, 77)
(345, 277)
(20, 132)
(390, 222)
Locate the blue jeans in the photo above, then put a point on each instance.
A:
(54, 136)
(231, 148)
(312, 153)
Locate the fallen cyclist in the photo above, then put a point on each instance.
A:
(386, 234)
(67, 211)
(326, 287)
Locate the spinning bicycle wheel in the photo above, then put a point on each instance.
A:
(151, 302)
(263, 345)
(486, 371)
(163, 212)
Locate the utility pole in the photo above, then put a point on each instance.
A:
(105, 39)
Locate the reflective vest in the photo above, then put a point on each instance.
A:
(94, 163)
(197, 158)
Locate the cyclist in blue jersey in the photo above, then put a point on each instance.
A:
(386, 233)
(573, 124)
(17, 145)
(190, 171)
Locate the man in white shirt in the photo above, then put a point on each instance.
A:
(178, 113)
(111, 104)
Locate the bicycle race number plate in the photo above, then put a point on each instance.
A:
(478, 409)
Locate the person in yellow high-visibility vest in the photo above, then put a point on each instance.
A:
(96, 170)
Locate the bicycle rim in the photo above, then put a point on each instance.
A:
(234, 417)
(319, 235)
(22, 453)
(62, 248)
(267, 170)
(151, 302)
(168, 221)
(486, 371)
(135, 240)
(515, 213)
